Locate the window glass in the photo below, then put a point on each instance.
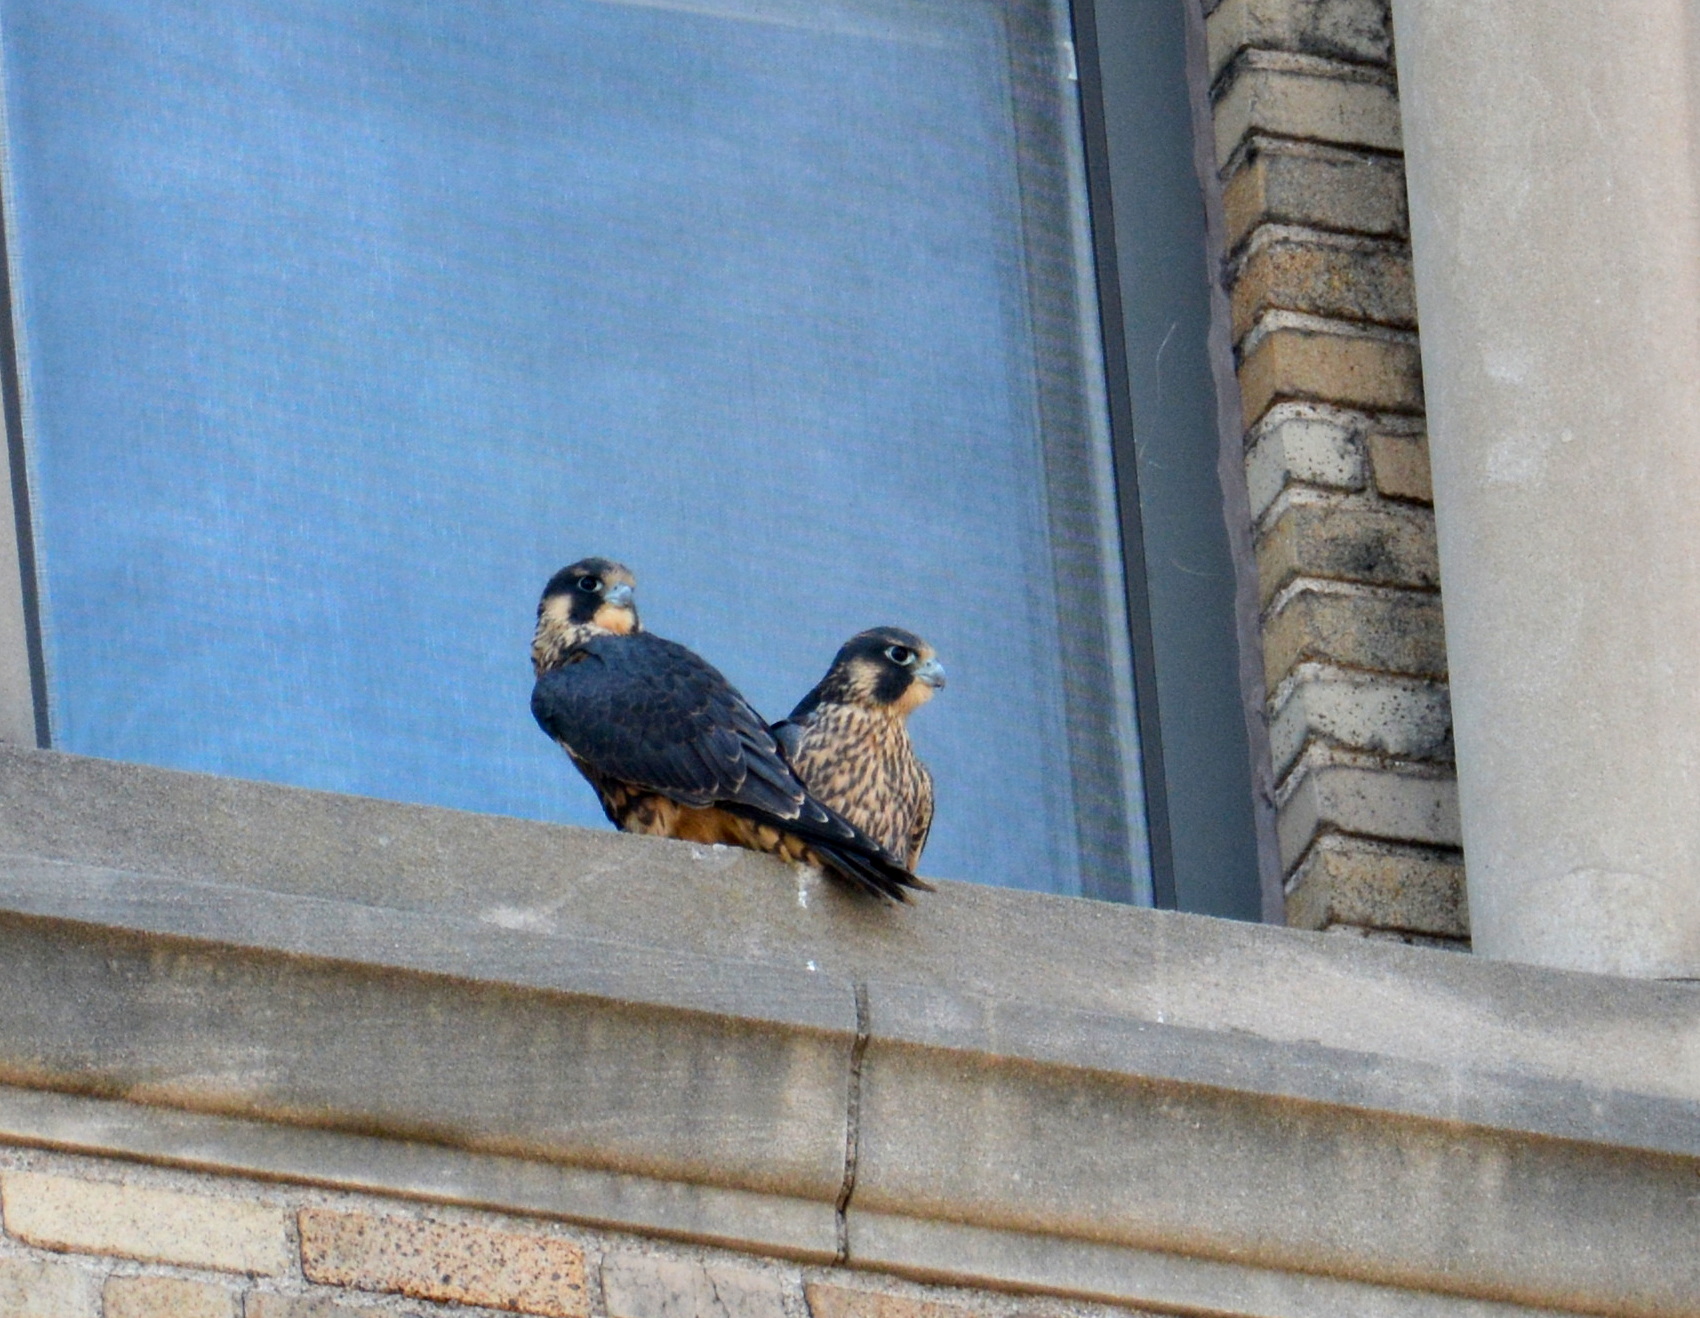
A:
(342, 326)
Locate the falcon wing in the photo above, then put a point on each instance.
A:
(923, 823)
(647, 712)
(789, 734)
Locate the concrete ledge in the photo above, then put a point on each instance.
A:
(327, 1014)
(1051, 1095)
(954, 1254)
(769, 1224)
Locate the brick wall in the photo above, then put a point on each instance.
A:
(1318, 273)
(85, 1237)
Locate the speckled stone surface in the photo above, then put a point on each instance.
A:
(436, 1261)
(166, 1297)
(157, 1226)
(652, 1286)
(842, 1302)
(31, 1289)
(263, 1304)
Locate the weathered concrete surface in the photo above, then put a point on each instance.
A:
(481, 1010)
(351, 1018)
(1555, 216)
(514, 877)
(1033, 1121)
(436, 1172)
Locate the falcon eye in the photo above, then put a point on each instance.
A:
(900, 654)
(590, 584)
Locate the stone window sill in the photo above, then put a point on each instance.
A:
(992, 1087)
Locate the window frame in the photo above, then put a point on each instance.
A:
(1208, 818)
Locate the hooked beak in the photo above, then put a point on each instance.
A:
(619, 595)
(932, 673)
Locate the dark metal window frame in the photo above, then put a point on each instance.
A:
(1175, 433)
(1184, 568)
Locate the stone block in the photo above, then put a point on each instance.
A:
(269, 1304)
(1314, 186)
(828, 1301)
(1356, 30)
(1293, 96)
(647, 1286)
(1346, 539)
(1352, 882)
(1327, 362)
(1406, 804)
(29, 1289)
(1118, 1147)
(438, 1261)
(1345, 278)
(1307, 444)
(167, 1297)
(723, 1074)
(1370, 627)
(1378, 712)
(158, 1226)
(1400, 463)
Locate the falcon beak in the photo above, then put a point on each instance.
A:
(932, 673)
(619, 596)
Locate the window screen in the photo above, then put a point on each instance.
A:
(340, 327)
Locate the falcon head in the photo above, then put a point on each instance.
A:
(884, 668)
(591, 597)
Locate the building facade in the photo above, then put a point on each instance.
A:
(286, 1054)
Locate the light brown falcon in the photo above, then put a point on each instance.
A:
(848, 739)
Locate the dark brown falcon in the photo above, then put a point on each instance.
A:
(670, 747)
(848, 739)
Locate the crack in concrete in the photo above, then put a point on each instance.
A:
(852, 1123)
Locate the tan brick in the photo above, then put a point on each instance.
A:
(645, 1286)
(1346, 540)
(1354, 370)
(1414, 803)
(827, 1301)
(1392, 631)
(1377, 712)
(164, 1226)
(265, 1304)
(1400, 463)
(1359, 30)
(1345, 279)
(1348, 881)
(1306, 444)
(167, 1297)
(1314, 186)
(437, 1261)
(1289, 96)
(46, 1290)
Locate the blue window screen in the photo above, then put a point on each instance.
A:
(342, 326)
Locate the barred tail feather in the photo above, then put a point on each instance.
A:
(877, 873)
(844, 850)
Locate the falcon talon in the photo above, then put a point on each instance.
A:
(670, 746)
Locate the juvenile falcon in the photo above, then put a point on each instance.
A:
(848, 739)
(670, 747)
